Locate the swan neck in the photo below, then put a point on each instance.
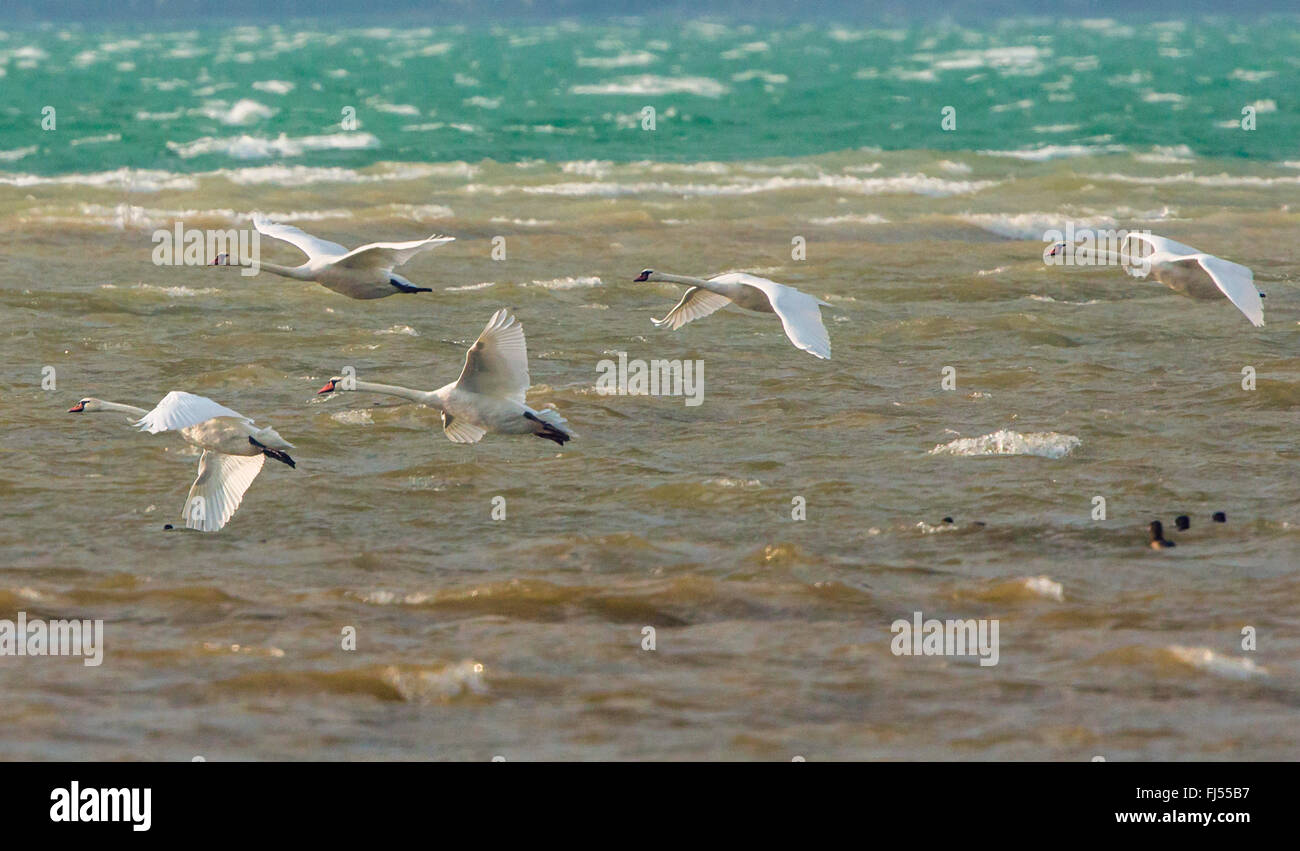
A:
(124, 409)
(297, 272)
(393, 390)
(1107, 253)
(684, 279)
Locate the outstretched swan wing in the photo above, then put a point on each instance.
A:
(696, 303)
(800, 313)
(219, 489)
(314, 247)
(1235, 281)
(1158, 243)
(497, 363)
(386, 255)
(179, 409)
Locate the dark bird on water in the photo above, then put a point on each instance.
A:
(1158, 541)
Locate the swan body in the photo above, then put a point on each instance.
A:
(490, 394)
(1187, 271)
(362, 273)
(800, 313)
(234, 449)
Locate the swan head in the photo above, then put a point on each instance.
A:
(1057, 249)
(221, 260)
(646, 275)
(333, 385)
(86, 406)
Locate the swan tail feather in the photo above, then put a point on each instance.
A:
(271, 437)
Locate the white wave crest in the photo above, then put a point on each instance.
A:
(1048, 444)
(246, 147)
(652, 84)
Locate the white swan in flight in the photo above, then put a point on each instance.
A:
(488, 396)
(233, 450)
(799, 312)
(1184, 270)
(365, 272)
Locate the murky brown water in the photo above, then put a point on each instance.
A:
(522, 637)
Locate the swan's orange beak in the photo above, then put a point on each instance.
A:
(328, 388)
(77, 408)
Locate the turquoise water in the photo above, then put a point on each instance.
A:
(206, 98)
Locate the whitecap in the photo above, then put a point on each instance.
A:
(587, 168)
(424, 686)
(622, 60)
(96, 140)
(131, 180)
(16, 154)
(768, 77)
(242, 112)
(1164, 97)
(1050, 152)
(529, 223)
(1248, 76)
(651, 84)
(745, 50)
(1205, 659)
(569, 283)
(396, 108)
(1218, 180)
(1034, 225)
(358, 417)
(868, 219)
(1044, 586)
(1167, 154)
(274, 87)
(248, 147)
(177, 292)
(734, 483)
(1006, 442)
(918, 184)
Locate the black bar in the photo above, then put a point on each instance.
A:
(328, 800)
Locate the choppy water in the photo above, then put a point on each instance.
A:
(521, 637)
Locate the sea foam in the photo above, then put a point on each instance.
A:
(1048, 444)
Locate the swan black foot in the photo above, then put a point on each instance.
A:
(407, 288)
(282, 457)
(549, 432)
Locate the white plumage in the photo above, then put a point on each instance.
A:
(800, 313)
(1191, 272)
(234, 450)
(363, 273)
(489, 395)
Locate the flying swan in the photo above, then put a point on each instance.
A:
(364, 273)
(233, 450)
(799, 312)
(1184, 270)
(488, 396)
